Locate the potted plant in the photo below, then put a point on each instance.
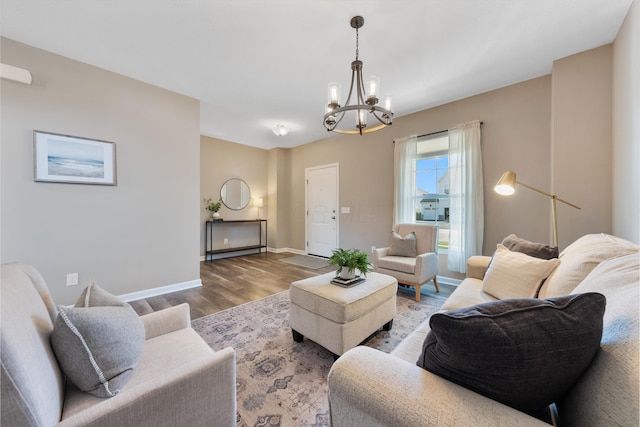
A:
(349, 260)
(213, 207)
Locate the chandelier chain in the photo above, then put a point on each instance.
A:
(357, 44)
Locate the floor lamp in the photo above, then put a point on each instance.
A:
(507, 186)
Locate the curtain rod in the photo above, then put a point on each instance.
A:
(435, 133)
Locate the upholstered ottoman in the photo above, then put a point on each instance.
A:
(340, 318)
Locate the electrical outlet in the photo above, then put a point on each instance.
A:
(226, 241)
(72, 279)
(373, 248)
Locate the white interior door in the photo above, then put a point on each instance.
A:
(322, 209)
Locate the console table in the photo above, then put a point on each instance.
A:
(208, 237)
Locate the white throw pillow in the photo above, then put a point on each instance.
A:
(516, 275)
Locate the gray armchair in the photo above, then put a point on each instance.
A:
(412, 271)
(179, 380)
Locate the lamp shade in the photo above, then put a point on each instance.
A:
(257, 202)
(506, 186)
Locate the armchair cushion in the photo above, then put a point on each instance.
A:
(98, 342)
(403, 246)
(516, 275)
(501, 349)
(398, 263)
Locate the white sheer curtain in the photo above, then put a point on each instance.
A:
(404, 163)
(466, 195)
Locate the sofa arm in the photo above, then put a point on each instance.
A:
(477, 266)
(372, 388)
(426, 265)
(379, 253)
(168, 320)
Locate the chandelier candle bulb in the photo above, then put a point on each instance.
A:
(373, 84)
(334, 94)
(361, 119)
(387, 102)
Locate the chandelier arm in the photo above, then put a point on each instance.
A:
(369, 108)
(340, 112)
(353, 76)
(339, 119)
(330, 126)
(360, 86)
(360, 97)
(374, 110)
(357, 131)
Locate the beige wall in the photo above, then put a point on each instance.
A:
(131, 237)
(222, 160)
(279, 189)
(515, 136)
(554, 132)
(581, 142)
(626, 127)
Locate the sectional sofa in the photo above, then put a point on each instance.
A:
(372, 388)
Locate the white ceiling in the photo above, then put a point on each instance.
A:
(256, 63)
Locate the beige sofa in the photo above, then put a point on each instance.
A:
(179, 380)
(369, 387)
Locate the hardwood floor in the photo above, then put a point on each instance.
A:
(233, 281)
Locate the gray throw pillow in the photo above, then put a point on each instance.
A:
(538, 250)
(98, 342)
(525, 353)
(403, 246)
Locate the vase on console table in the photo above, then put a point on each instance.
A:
(215, 216)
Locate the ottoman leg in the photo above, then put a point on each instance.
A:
(387, 326)
(297, 336)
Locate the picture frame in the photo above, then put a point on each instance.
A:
(73, 160)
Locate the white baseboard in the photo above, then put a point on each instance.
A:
(154, 292)
(278, 250)
(252, 251)
(293, 251)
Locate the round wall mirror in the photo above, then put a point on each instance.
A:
(235, 194)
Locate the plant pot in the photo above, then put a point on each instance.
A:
(347, 274)
(215, 215)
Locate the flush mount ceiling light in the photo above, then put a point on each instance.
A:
(280, 130)
(365, 104)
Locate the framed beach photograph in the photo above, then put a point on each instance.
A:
(73, 160)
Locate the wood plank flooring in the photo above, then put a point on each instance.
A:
(233, 281)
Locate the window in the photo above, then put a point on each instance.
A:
(432, 184)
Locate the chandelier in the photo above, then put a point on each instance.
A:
(364, 104)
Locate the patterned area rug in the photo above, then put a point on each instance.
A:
(281, 382)
(306, 261)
